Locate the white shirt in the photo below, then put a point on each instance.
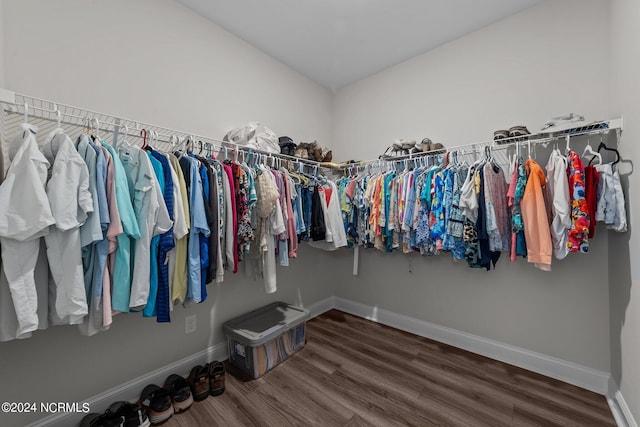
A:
(559, 203)
(275, 227)
(468, 199)
(611, 204)
(25, 216)
(25, 213)
(335, 236)
(71, 201)
(152, 215)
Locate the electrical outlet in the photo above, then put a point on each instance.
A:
(190, 324)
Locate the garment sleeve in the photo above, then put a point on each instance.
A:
(163, 221)
(63, 190)
(277, 220)
(620, 223)
(85, 202)
(180, 225)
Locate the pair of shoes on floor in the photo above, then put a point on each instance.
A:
(119, 414)
(513, 132)
(162, 402)
(207, 380)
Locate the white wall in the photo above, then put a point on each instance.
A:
(525, 69)
(156, 62)
(522, 70)
(159, 62)
(624, 250)
(152, 60)
(2, 42)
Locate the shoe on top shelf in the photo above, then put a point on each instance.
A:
(512, 133)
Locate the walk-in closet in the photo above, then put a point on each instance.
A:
(319, 213)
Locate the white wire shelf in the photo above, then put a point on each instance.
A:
(49, 114)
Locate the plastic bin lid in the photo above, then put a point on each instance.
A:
(264, 324)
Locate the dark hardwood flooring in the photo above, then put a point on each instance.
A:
(353, 372)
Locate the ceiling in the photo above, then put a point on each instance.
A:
(337, 42)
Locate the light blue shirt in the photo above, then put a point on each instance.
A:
(91, 230)
(198, 226)
(101, 186)
(101, 250)
(121, 291)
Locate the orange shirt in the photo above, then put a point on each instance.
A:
(534, 216)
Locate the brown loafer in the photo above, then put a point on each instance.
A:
(199, 382)
(216, 378)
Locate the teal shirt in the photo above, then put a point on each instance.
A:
(122, 271)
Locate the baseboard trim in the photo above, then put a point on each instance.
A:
(581, 376)
(562, 370)
(619, 407)
(316, 309)
(130, 390)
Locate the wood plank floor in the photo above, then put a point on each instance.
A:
(353, 372)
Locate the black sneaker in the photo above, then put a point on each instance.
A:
(134, 415)
(107, 419)
(157, 402)
(180, 393)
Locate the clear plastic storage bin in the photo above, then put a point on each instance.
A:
(261, 339)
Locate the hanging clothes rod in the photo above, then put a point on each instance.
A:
(82, 117)
(595, 128)
(74, 116)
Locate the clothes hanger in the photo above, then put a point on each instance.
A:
(182, 143)
(153, 138)
(173, 141)
(603, 146)
(26, 126)
(207, 149)
(97, 127)
(124, 138)
(589, 150)
(143, 134)
(59, 117)
(187, 144)
(487, 154)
